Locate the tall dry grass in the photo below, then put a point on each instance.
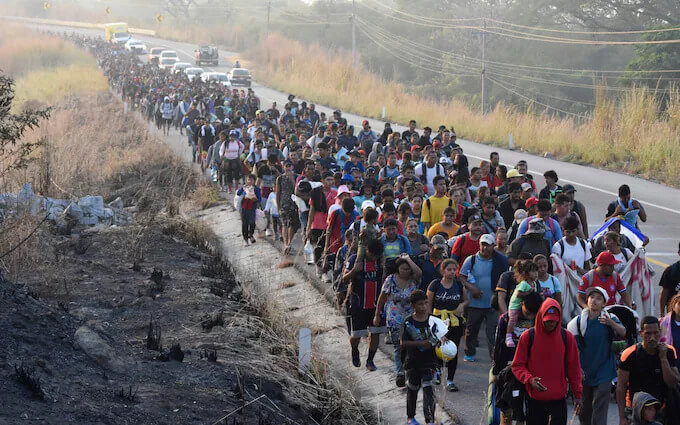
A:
(23, 51)
(51, 85)
(631, 135)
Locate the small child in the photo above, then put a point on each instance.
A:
(272, 211)
(526, 272)
(369, 232)
(644, 409)
(251, 200)
(417, 342)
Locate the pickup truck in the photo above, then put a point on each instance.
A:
(208, 55)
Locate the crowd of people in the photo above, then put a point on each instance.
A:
(403, 226)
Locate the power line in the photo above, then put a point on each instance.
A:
(504, 32)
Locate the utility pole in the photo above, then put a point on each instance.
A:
(269, 8)
(484, 69)
(354, 39)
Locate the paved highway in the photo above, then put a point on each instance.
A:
(595, 188)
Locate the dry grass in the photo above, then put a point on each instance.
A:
(23, 51)
(631, 136)
(54, 84)
(207, 195)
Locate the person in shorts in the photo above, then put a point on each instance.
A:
(363, 288)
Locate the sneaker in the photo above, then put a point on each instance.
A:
(469, 358)
(252, 239)
(412, 421)
(356, 361)
(450, 386)
(401, 380)
(437, 377)
(268, 232)
(371, 366)
(245, 243)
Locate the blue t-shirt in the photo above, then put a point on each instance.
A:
(550, 287)
(482, 279)
(597, 359)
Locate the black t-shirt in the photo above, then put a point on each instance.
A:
(418, 357)
(507, 283)
(446, 299)
(670, 279)
(645, 371)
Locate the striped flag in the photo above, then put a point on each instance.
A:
(627, 229)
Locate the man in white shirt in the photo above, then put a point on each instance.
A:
(574, 251)
(428, 170)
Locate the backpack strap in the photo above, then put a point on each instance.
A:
(561, 242)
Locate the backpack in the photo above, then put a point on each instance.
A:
(583, 246)
(436, 170)
(522, 241)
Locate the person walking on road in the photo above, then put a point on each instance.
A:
(421, 361)
(394, 305)
(448, 300)
(547, 363)
(595, 330)
(479, 275)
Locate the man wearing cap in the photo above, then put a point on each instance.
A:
(577, 207)
(547, 363)
(512, 203)
(316, 138)
(553, 231)
(531, 242)
(366, 136)
(606, 278)
(479, 275)
(354, 162)
(512, 176)
(648, 366)
(595, 330)
(551, 189)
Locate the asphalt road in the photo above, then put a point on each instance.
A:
(595, 188)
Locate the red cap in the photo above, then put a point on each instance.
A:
(415, 148)
(607, 257)
(552, 314)
(531, 202)
(364, 122)
(361, 151)
(436, 145)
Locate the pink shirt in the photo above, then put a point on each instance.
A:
(320, 217)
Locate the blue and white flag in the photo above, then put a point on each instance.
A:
(627, 229)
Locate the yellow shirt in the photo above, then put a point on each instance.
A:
(438, 228)
(432, 213)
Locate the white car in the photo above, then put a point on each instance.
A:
(169, 54)
(193, 73)
(180, 66)
(167, 63)
(220, 77)
(136, 46)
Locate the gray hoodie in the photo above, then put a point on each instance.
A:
(639, 400)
